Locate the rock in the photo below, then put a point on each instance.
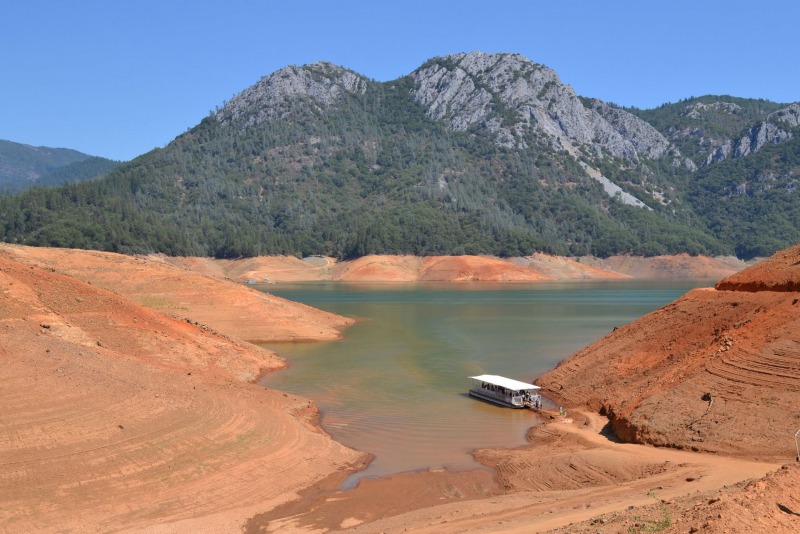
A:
(788, 116)
(644, 139)
(758, 136)
(698, 109)
(510, 95)
(754, 139)
(317, 85)
(720, 153)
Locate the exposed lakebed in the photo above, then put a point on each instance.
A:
(396, 385)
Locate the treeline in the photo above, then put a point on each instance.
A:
(88, 169)
(372, 176)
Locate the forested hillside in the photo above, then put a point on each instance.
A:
(23, 166)
(747, 154)
(472, 153)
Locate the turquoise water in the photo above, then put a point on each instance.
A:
(396, 385)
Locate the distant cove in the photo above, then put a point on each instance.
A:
(395, 386)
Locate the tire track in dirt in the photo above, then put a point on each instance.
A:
(116, 417)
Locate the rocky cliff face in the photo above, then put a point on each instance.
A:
(510, 95)
(759, 135)
(317, 86)
(711, 129)
(773, 129)
(518, 101)
(513, 98)
(788, 117)
(769, 131)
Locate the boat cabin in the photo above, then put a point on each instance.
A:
(505, 391)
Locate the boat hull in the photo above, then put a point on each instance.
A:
(494, 400)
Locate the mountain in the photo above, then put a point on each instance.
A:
(710, 129)
(24, 166)
(747, 159)
(469, 154)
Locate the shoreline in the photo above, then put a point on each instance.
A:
(448, 501)
(330, 506)
(402, 269)
(124, 417)
(152, 442)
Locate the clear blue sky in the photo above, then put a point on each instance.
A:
(116, 78)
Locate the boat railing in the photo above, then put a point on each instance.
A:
(495, 391)
(515, 397)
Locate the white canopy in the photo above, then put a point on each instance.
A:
(508, 383)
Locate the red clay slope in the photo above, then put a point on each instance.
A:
(717, 370)
(769, 505)
(387, 268)
(781, 272)
(675, 266)
(115, 416)
(233, 309)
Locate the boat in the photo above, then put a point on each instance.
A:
(505, 391)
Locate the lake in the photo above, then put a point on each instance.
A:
(396, 385)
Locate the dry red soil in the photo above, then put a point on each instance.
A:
(679, 266)
(156, 282)
(118, 417)
(386, 268)
(261, 269)
(127, 406)
(573, 476)
(435, 269)
(718, 370)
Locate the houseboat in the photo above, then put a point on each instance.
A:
(505, 391)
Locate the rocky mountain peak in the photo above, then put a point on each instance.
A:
(510, 95)
(788, 116)
(698, 110)
(318, 85)
(459, 90)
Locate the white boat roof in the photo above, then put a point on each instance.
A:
(508, 383)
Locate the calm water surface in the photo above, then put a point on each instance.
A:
(396, 385)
